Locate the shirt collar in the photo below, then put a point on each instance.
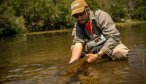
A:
(92, 15)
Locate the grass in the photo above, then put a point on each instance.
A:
(130, 22)
(50, 31)
(143, 62)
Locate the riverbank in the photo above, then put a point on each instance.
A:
(50, 31)
(130, 22)
(126, 23)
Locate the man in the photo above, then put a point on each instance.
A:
(92, 26)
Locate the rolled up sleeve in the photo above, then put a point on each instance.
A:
(76, 37)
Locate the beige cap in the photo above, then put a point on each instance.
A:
(78, 6)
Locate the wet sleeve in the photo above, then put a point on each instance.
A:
(109, 31)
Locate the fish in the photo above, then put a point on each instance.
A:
(73, 67)
(75, 70)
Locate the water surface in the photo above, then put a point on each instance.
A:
(35, 59)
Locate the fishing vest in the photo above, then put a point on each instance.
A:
(83, 34)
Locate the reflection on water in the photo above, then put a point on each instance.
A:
(36, 59)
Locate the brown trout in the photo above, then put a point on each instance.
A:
(73, 67)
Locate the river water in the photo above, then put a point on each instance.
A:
(36, 59)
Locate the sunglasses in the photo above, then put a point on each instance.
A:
(78, 14)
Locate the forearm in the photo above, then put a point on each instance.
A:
(110, 32)
(76, 52)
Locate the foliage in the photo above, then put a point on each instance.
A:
(19, 16)
(140, 10)
(11, 23)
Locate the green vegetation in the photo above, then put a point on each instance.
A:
(18, 16)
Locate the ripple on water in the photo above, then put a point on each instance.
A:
(34, 73)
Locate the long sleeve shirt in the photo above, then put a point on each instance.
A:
(107, 26)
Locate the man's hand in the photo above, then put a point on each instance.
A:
(91, 57)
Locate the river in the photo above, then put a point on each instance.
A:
(36, 58)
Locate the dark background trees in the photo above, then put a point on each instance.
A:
(17, 16)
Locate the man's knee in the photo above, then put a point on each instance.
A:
(120, 52)
(119, 56)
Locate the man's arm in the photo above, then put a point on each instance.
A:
(76, 52)
(77, 46)
(109, 31)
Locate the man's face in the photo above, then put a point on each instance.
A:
(82, 18)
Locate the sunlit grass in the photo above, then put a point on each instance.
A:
(130, 22)
(49, 31)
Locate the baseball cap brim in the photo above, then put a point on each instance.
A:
(77, 10)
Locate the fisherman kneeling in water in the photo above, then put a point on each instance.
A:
(95, 34)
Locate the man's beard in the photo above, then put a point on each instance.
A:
(85, 21)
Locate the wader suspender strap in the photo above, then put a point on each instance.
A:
(95, 28)
(82, 31)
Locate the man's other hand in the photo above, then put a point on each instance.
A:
(91, 57)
